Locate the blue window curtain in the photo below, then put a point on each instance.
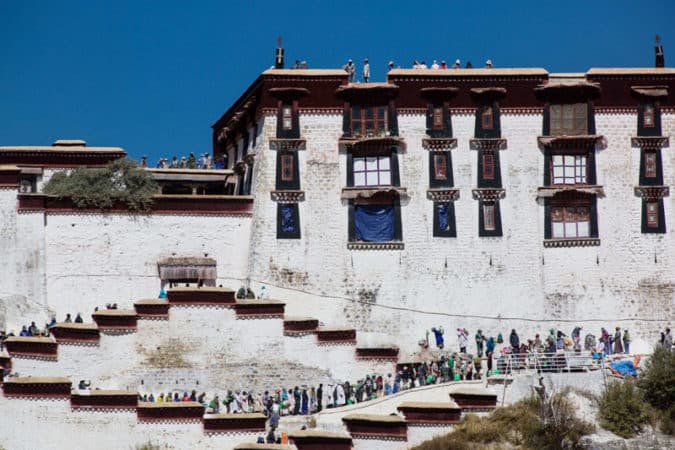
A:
(374, 223)
(287, 222)
(443, 216)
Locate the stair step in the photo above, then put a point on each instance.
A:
(75, 333)
(32, 347)
(37, 387)
(369, 426)
(431, 412)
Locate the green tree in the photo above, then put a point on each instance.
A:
(120, 182)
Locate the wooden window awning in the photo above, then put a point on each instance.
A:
(650, 142)
(439, 94)
(552, 191)
(487, 144)
(351, 193)
(488, 194)
(439, 144)
(652, 92)
(443, 194)
(288, 93)
(187, 268)
(652, 192)
(487, 94)
(370, 93)
(373, 143)
(569, 142)
(567, 91)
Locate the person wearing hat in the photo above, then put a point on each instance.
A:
(366, 70)
(390, 65)
(263, 293)
(183, 162)
(443, 65)
(457, 64)
(144, 161)
(350, 69)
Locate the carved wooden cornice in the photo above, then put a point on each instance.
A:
(552, 191)
(652, 192)
(349, 193)
(439, 144)
(377, 143)
(487, 144)
(650, 142)
(287, 196)
(443, 194)
(375, 245)
(569, 142)
(575, 242)
(288, 144)
(488, 194)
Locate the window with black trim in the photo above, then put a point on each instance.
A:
(288, 176)
(650, 164)
(288, 120)
(286, 117)
(372, 170)
(569, 169)
(568, 119)
(438, 122)
(652, 214)
(288, 221)
(488, 166)
(375, 219)
(444, 219)
(570, 222)
(440, 170)
(368, 121)
(648, 114)
(487, 119)
(489, 219)
(440, 166)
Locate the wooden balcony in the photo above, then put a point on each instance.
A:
(430, 413)
(153, 308)
(234, 423)
(299, 326)
(121, 320)
(170, 412)
(376, 426)
(259, 309)
(31, 347)
(76, 333)
(208, 296)
(37, 387)
(104, 399)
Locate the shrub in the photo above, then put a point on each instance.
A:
(531, 423)
(657, 379)
(120, 182)
(622, 409)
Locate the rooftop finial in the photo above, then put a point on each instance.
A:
(279, 61)
(660, 60)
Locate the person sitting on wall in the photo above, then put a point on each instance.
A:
(24, 331)
(52, 322)
(68, 319)
(191, 161)
(151, 398)
(241, 293)
(438, 332)
(162, 293)
(78, 318)
(33, 329)
(263, 293)
(250, 294)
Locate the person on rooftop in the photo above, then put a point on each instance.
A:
(435, 65)
(24, 331)
(468, 65)
(78, 318)
(457, 64)
(423, 65)
(68, 319)
(263, 293)
(183, 162)
(366, 70)
(174, 163)
(191, 162)
(390, 66)
(144, 161)
(350, 69)
(488, 64)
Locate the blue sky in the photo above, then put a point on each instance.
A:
(152, 77)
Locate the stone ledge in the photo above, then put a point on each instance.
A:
(153, 308)
(488, 194)
(320, 440)
(288, 144)
(573, 242)
(372, 143)
(553, 190)
(378, 353)
(473, 398)
(300, 326)
(427, 413)
(259, 309)
(392, 245)
(439, 144)
(179, 411)
(115, 319)
(375, 426)
(336, 335)
(104, 400)
(650, 142)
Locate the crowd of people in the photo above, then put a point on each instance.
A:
(350, 68)
(204, 162)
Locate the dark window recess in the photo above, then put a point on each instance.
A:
(487, 121)
(440, 170)
(489, 219)
(288, 121)
(653, 216)
(571, 216)
(439, 123)
(444, 219)
(288, 177)
(649, 119)
(288, 221)
(375, 222)
(489, 174)
(568, 119)
(368, 121)
(651, 171)
(248, 180)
